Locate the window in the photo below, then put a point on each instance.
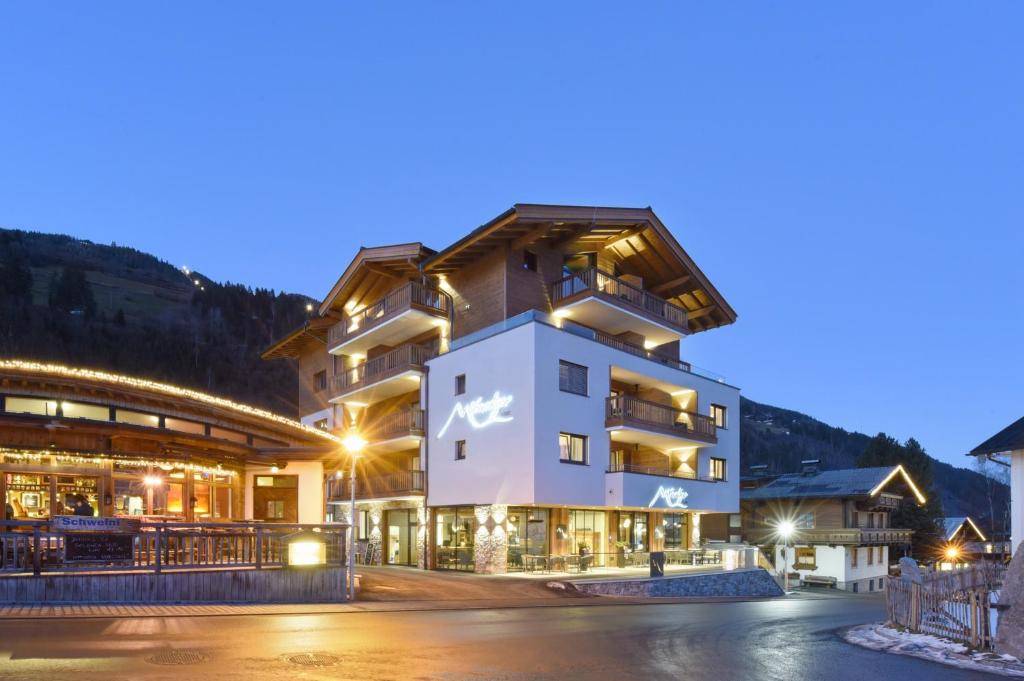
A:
(320, 380)
(804, 521)
(735, 521)
(275, 509)
(572, 378)
(530, 261)
(674, 530)
(853, 556)
(856, 519)
(718, 415)
(871, 556)
(572, 448)
(880, 559)
(460, 384)
(81, 410)
(460, 450)
(806, 558)
(321, 424)
(717, 469)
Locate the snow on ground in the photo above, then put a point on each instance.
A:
(886, 639)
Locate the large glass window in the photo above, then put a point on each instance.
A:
(28, 496)
(80, 495)
(527, 535)
(674, 528)
(572, 378)
(454, 537)
(633, 530)
(588, 532)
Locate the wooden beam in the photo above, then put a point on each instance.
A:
(700, 311)
(535, 234)
(670, 284)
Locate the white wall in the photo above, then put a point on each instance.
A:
(1016, 499)
(311, 488)
(518, 462)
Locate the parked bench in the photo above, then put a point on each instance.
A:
(819, 580)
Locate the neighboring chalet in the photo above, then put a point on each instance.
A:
(841, 531)
(1010, 441)
(966, 543)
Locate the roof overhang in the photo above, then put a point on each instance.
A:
(372, 273)
(313, 333)
(899, 472)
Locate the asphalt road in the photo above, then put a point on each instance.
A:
(786, 639)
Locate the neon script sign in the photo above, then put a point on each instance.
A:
(481, 413)
(674, 497)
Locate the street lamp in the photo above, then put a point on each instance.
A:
(353, 444)
(785, 529)
(952, 553)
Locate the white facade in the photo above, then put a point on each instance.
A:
(512, 450)
(837, 562)
(310, 488)
(1016, 499)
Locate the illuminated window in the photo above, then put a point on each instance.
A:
(137, 418)
(718, 415)
(804, 521)
(853, 556)
(29, 405)
(80, 410)
(871, 556)
(530, 261)
(460, 450)
(572, 448)
(275, 510)
(460, 384)
(806, 558)
(321, 424)
(717, 469)
(572, 378)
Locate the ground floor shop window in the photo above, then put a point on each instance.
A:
(587, 532)
(527, 535)
(633, 530)
(674, 528)
(28, 496)
(454, 534)
(402, 527)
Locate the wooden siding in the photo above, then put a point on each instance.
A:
(481, 287)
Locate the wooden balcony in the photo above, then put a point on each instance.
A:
(855, 536)
(631, 419)
(408, 311)
(601, 301)
(395, 431)
(393, 373)
(397, 484)
(660, 471)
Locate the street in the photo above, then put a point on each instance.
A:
(772, 639)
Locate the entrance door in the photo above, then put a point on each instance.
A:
(402, 527)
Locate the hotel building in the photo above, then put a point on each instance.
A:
(524, 394)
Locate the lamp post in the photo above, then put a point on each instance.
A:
(785, 530)
(353, 444)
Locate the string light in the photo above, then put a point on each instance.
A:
(165, 388)
(65, 457)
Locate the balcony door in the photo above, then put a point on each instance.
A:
(402, 527)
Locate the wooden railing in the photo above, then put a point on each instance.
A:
(663, 471)
(626, 410)
(411, 296)
(956, 605)
(395, 424)
(593, 280)
(397, 484)
(31, 546)
(634, 349)
(379, 368)
(839, 535)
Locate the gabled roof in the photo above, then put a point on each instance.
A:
(843, 483)
(636, 235)
(299, 341)
(374, 271)
(1006, 440)
(951, 526)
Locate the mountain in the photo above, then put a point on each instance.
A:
(782, 438)
(111, 307)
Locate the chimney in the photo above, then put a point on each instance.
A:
(809, 466)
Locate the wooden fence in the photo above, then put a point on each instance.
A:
(955, 605)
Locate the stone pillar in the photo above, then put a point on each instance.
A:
(694, 530)
(1016, 499)
(422, 535)
(490, 546)
(376, 538)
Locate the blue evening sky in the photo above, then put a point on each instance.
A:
(848, 174)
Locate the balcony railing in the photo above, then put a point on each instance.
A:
(392, 363)
(839, 535)
(595, 281)
(631, 348)
(397, 484)
(626, 410)
(662, 471)
(396, 424)
(411, 296)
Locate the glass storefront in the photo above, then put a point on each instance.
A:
(527, 535)
(454, 537)
(588, 532)
(674, 529)
(28, 496)
(36, 496)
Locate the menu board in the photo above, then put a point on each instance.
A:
(96, 547)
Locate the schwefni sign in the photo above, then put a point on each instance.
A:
(480, 413)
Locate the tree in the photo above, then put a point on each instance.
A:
(925, 519)
(70, 292)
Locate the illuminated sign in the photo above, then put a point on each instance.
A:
(481, 413)
(674, 497)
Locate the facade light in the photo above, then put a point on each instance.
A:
(306, 548)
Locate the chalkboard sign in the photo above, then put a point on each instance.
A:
(96, 547)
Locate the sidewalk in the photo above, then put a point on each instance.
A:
(888, 640)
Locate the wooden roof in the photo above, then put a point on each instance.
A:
(1008, 439)
(311, 334)
(372, 273)
(635, 236)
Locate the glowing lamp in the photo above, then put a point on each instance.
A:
(353, 443)
(785, 529)
(306, 548)
(952, 552)
(153, 480)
